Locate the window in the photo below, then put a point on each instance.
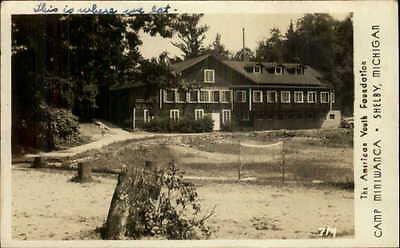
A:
(332, 97)
(311, 97)
(298, 96)
(257, 68)
(244, 116)
(324, 97)
(332, 116)
(226, 116)
(285, 96)
(209, 76)
(146, 115)
(257, 96)
(204, 96)
(198, 114)
(299, 69)
(215, 96)
(174, 114)
(272, 96)
(169, 96)
(180, 96)
(226, 96)
(241, 96)
(278, 70)
(193, 96)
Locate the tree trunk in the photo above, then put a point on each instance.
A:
(38, 162)
(115, 227)
(134, 189)
(84, 173)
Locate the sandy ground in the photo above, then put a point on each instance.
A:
(47, 206)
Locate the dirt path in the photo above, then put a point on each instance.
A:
(243, 211)
(114, 135)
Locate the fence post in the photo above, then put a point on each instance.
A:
(283, 162)
(240, 161)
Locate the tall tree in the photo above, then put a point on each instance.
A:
(219, 49)
(291, 45)
(271, 50)
(244, 54)
(191, 35)
(70, 61)
(344, 63)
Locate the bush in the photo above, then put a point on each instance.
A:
(177, 214)
(46, 128)
(64, 126)
(184, 125)
(160, 205)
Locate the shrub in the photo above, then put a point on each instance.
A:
(163, 206)
(184, 125)
(177, 215)
(46, 128)
(64, 126)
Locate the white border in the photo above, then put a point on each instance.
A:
(365, 12)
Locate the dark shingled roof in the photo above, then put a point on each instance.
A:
(181, 66)
(310, 76)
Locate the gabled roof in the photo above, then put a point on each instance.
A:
(181, 66)
(310, 76)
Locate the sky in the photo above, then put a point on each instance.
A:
(257, 27)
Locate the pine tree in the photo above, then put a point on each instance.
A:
(191, 35)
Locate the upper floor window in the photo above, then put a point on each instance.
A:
(324, 97)
(209, 76)
(298, 97)
(257, 68)
(169, 96)
(285, 96)
(180, 96)
(241, 96)
(257, 96)
(204, 96)
(215, 96)
(272, 96)
(225, 96)
(193, 96)
(311, 97)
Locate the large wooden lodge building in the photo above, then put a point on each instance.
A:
(247, 94)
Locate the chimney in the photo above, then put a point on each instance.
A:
(244, 55)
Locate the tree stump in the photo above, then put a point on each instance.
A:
(135, 187)
(84, 173)
(38, 162)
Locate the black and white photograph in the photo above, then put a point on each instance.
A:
(182, 126)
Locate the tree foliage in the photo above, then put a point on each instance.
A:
(244, 54)
(218, 49)
(271, 50)
(71, 61)
(191, 35)
(321, 42)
